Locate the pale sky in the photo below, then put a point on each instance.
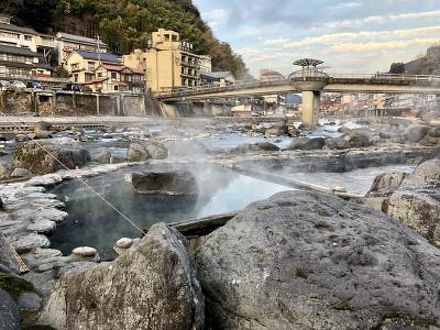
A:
(357, 36)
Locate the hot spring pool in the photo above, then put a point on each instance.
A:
(93, 223)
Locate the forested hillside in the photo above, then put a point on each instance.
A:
(428, 64)
(125, 24)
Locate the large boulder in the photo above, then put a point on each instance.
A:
(414, 133)
(256, 147)
(306, 144)
(350, 139)
(45, 157)
(386, 183)
(306, 260)
(416, 202)
(178, 183)
(142, 151)
(151, 286)
(9, 316)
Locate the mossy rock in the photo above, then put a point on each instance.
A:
(14, 284)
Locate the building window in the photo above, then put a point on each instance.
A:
(91, 66)
(28, 38)
(114, 76)
(75, 77)
(99, 74)
(116, 88)
(75, 66)
(10, 35)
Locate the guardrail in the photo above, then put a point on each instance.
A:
(370, 77)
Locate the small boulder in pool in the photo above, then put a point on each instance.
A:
(178, 183)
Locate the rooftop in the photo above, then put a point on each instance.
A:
(15, 28)
(17, 51)
(104, 57)
(79, 39)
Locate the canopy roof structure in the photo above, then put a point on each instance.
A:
(308, 62)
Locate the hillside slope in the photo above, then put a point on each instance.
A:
(125, 24)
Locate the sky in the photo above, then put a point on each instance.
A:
(354, 36)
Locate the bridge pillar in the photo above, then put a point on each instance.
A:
(310, 107)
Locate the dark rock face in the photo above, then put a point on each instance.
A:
(351, 139)
(386, 183)
(434, 132)
(180, 183)
(7, 257)
(42, 126)
(256, 147)
(307, 144)
(142, 151)
(33, 157)
(303, 260)
(416, 202)
(415, 133)
(152, 286)
(9, 316)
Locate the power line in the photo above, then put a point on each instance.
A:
(79, 178)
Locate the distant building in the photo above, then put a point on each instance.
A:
(216, 79)
(23, 37)
(82, 65)
(116, 78)
(67, 43)
(169, 63)
(205, 63)
(270, 75)
(21, 63)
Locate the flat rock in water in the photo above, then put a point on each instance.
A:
(42, 226)
(30, 241)
(306, 260)
(152, 286)
(29, 300)
(179, 183)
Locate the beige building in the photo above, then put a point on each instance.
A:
(169, 63)
(82, 65)
(111, 78)
(216, 79)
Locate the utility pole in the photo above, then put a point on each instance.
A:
(98, 40)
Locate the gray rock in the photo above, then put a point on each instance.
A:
(416, 202)
(434, 131)
(178, 183)
(256, 147)
(306, 144)
(20, 173)
(42, 226)
(5, 169)
(7, 256)
(152, 286)
(9, 316)
(33, 157)
(102, 157)
(337, 143)
(29, 241)
(22, 137)
(415, 133)
(42, 126)
(142, 151)
(29, 300)
(305, 260)
(386, 183)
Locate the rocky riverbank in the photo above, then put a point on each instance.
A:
(299, 260)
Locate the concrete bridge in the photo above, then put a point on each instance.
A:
(311, 83)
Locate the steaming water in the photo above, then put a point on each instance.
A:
(358, 181)
(92, 223)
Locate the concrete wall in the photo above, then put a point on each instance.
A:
(195, 109)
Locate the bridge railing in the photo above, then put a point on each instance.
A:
(261, 84)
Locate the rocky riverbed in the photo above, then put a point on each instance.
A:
(298, 260)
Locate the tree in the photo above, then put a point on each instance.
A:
(397, 68)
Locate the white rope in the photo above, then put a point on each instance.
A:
(79, 178)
